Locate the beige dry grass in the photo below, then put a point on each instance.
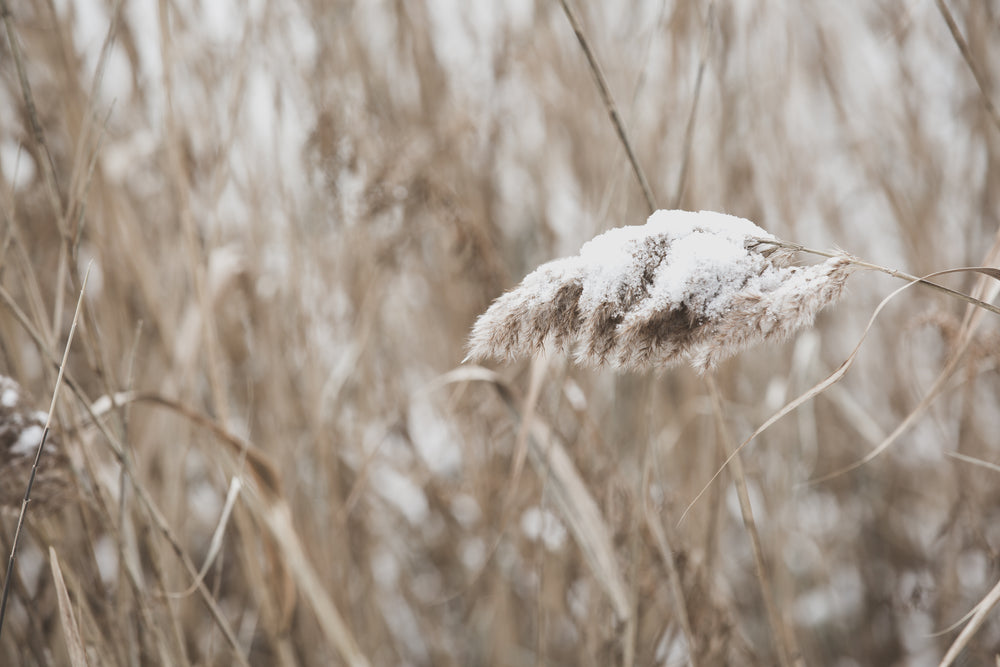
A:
(296, 212)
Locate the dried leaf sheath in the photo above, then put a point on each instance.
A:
(685, 285)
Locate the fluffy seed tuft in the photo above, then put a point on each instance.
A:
(684, 286)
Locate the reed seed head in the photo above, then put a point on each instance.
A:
(685, 286)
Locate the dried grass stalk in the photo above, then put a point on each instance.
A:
(20, 432)
(71, 629)
(685, 286)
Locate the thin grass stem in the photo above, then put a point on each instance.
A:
(609, 103)
(784, 641)
(963, 47)
(902, 275)
(38, 451)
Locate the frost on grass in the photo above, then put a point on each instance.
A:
(685, 286)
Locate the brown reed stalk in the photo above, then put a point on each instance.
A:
(977, 74)
(609, 102)
(39, 448)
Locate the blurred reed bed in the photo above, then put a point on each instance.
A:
(269, 451)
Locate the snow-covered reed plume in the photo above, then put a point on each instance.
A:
(20, 432)
(695, 286)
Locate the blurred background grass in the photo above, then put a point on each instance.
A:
(295, 211)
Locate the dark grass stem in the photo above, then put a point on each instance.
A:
(609, 103)
(38, 451)
(693, 113)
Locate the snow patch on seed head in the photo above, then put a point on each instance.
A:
(699, 286)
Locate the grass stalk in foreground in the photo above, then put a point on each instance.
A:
(38, 452)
